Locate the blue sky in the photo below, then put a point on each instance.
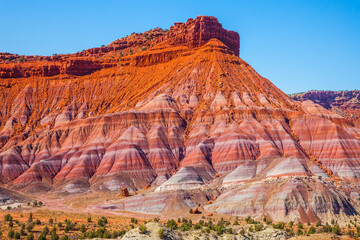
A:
(298, 45)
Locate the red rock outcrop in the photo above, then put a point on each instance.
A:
(197, 32)
(178, 111)
(124, 192)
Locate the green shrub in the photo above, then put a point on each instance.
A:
(318, 223)
(336, 229)
(300, 226)
(171, 224)
(311, 230)
(45, 231)
(279, 225)
(291, 223)
(82, 228)
(102, 221)
(186, 226)
(41, 237)
(210, 225)
(8, 218)
(259, 227)
(351, 233)
(142, 229)
(198, 225)
(116, 234)
(54, 236)
(11, 233)
(30, 236)
(219, 228)
(161, 233)
(327, 228)
(17, 235)
(30, 226)
(290, 232)
(106, 234)
(249, 220)
(30, 219)
(67, 228)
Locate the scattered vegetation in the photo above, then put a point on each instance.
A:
(36, 227)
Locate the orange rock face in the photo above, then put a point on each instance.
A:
(178, 111)
(197, 32)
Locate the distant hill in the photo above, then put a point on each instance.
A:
(345, 103)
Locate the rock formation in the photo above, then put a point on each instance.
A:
(124, 192)
(179, 114)
(344, 103)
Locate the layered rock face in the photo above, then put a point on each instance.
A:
(345, 103)
(197, 32)
(185, 120)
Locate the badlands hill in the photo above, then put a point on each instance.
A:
(344, 103)
(181, 121)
